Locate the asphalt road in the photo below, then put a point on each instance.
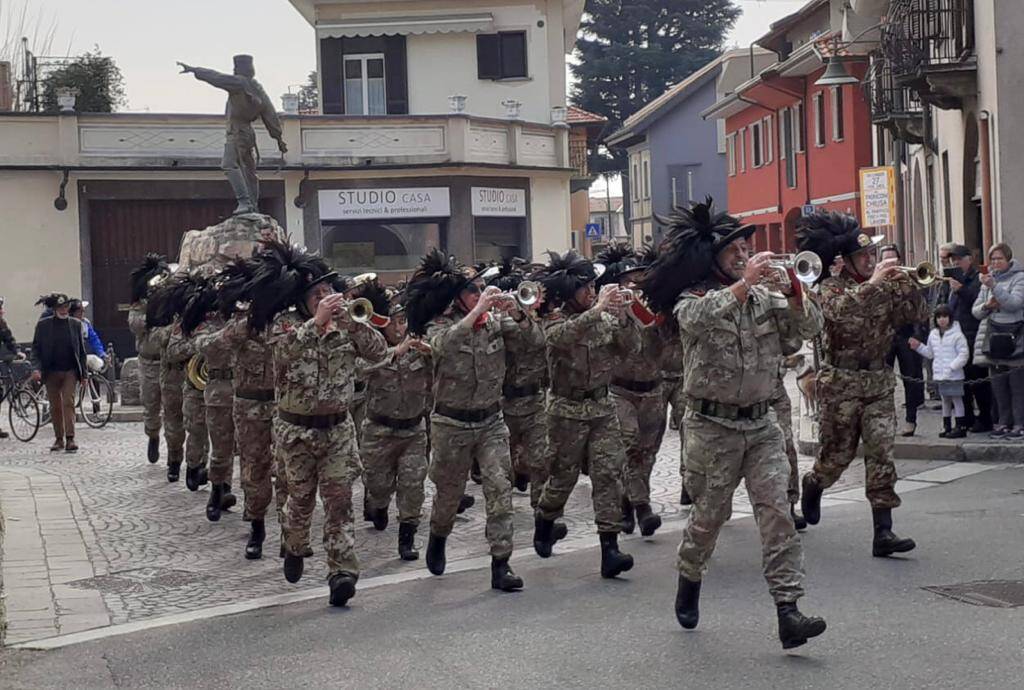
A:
(571, 629)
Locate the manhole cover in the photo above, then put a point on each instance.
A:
(127, 581)
(1002, 594)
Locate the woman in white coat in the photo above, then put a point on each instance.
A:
(948, 349)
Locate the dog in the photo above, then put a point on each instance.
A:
(806, 381)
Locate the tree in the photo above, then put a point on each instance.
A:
(97, 78)
(630, 51)
(309, 95)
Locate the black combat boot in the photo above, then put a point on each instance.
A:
(647, 519)
(886, 543)
(465, 503)
(795, 628)
(810, 500)
(684, 496)
(960, 430)
(380, 519)
(947, 426)
(798, 520)
(475, 474)
(213, 505)
(257, 533)
(227, 500)
(192, 478)
(628, 521)
(613, 561)
(343, 588)
(367, 511)
(293, 566)
(687, 603)
(153, 450)
(436, 560)
(502, 576)
(543, 539)
(559, 532)
(406, 546)
(173, 471)
(522, 482)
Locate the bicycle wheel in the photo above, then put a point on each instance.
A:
(43, 403)
(23, 414)
(96, 401)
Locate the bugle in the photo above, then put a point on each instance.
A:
(924, 274)
(806, 266)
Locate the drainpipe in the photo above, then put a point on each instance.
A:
(986, 183)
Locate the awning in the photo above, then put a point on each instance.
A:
(400, 26)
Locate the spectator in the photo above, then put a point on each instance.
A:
(58, 349)
(964, 283)
(910, 362)
(948, 350)
(1000, 307)
(95, 353)
(9, 350)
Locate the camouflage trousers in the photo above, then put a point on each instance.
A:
(673, 392)
(783, 407)
(358, 412)
(717, 458)
(454, 447)
(842, 424)
(197, 440)
(171, 399)
(528, 446)
(642, 421)
(394, 463)
(328, 460)
(253, 422)
(149, 392)
(221, 424)
(599, 443)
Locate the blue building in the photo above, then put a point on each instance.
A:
(675, 156)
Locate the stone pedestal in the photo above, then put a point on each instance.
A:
(129, 382)
(210, 249)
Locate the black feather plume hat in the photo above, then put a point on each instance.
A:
(618, 259)
(282, 275)
(380, 299)
(433, 287)
(234, 284)
(167, 301)
(563, 276)
(153, 266)
(506, 275)
(830, 234)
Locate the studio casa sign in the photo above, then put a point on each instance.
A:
(384, 202)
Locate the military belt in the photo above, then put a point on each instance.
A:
(149, 358)
(468, 416)
(258, 395)
(713, 408)
(394, 423)
(672, 378)
(857, 364)
(510, 392)
(313, 421)
(581, 395)
(220, 374)
(360, 386)
(636, 386)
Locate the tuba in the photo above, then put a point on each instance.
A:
(197, 372)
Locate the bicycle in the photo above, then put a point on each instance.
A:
(96, 400)
(22, 409)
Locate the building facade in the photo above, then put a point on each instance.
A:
(420, 144)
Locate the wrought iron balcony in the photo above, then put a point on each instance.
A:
(578, 157)
(896, 107)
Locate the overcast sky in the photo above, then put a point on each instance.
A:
(146, 37)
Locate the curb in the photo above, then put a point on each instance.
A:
(983, 451)
(3, 596)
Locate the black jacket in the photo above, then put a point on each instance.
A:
(42, 343)
(962, 301)
(8, 345)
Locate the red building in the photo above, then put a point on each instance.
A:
(790, 143)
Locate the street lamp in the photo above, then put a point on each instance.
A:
(835, 74)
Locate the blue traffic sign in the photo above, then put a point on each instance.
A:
(807, 210)
(594, 231)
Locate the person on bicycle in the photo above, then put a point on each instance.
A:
(58, 352)
(9, 350)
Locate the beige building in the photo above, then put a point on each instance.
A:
(443, 124)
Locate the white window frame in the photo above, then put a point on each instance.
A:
(798, 127)
(756, 144)
(837, 113)
(743, 149)
(365, 58)
(646, 166)
(635, 185)
(784, 117)
(819, 112)
(730, 153)
(768, 139)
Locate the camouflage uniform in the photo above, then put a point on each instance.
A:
(672, 377)
(640, 403)
(732, 356)
(172, 379)
(197, 439)
(584, 351)
(218, 397)
(783, 407)
(314, 438)
(358, 408)
(394, 445)
(469, 368)
(523, 400)
(147, 344)
(855, 387)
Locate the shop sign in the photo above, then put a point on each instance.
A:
(384, 202)
(495, 201)
(877, 197)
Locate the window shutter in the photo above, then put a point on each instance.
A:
(513, 54)
(488, 56)
(332, 98)
(396, 75)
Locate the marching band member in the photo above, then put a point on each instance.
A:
(144, 280)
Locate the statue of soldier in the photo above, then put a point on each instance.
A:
(247, 102)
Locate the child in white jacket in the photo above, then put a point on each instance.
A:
(947, 348)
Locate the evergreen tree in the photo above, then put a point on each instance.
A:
(630, 51)
(97, 78)
(309, 95)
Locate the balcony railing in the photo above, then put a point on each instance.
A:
(922, 34)
(893, 105)
(578, 157)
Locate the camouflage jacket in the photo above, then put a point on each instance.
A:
(469, 362)
(646, 367)
(860, 323)
(219, 392)
(672, 358)
(732, 351)
(584, 352)
(181, 349)
(314, 372)
(254, 358)
(146, 343)
(526, 364)
(399, 387)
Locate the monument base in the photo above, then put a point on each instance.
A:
(210, 249)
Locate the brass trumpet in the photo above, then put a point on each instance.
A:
(806, 265)
(360, 310)
(197, 372)
(636, 307)
(924, 274)
(526, 295)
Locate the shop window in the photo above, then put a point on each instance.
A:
(499, 238)
(359, 247)
(501, 55)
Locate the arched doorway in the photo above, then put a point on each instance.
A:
(972, 186)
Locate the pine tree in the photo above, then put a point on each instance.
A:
(630, 51)
(97, 78)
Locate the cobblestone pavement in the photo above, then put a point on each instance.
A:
(100, 537)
